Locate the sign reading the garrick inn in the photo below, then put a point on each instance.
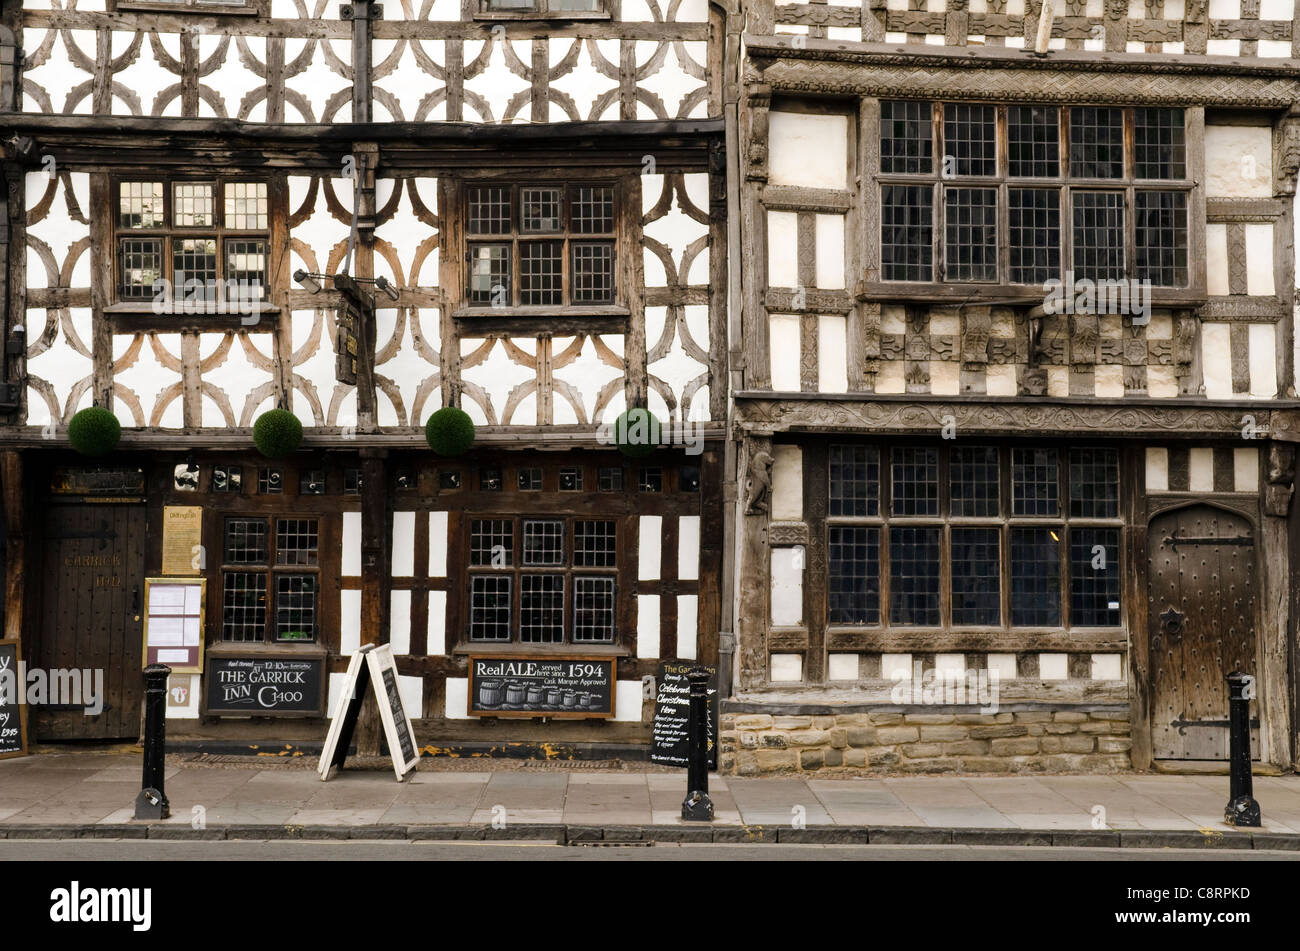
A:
(260, 685)
(562, 687)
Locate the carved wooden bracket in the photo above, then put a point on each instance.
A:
(1280, 484)
(758, 478)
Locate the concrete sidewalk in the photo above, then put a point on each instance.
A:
(91, 794)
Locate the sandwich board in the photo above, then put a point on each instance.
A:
(372, 664)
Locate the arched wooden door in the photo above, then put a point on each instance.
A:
(1201, 625)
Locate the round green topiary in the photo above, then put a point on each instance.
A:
(277, 433)
(636, 433)
(449, 431)
(94, 431)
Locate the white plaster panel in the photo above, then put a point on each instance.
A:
(1216, 258)
(832, 354)
(896, 666)
(1200, 465)
(1162, 382)
(148, 379)
(1058, 381)
(787, 483)
(648, 554)
(1245, 470)
(785, 347)
(399, 622)
(1053, 666)
(436, 642)
(589, 376)
(1262, 340)
(403, 552)
(457, 699)
(351, 554)
(349, 620)
(787, 586)
(842, 667)
(688, 548)
(1157, 469)
(1003, 664)
(1107, 667)
(1259, 259)
(1238, 159)
(806, 150)
(437, 544)
(1216, 360)
(411, 690)
(1108, 380)
(1276, 9)
(627, 701)
(890, 377)
(786, 668)
(647, 625)
(830, 251)
(1000, 380)
(687, 626)
(945, 377)
(782, 249)
(949, 664)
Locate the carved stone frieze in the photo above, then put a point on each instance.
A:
(787, 533)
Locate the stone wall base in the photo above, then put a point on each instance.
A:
(1045, 741)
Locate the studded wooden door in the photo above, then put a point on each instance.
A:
(1201, 610)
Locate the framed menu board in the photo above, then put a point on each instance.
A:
(173, 623)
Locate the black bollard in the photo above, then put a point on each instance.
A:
(152, 801)
(1242, 808)
(697, 805)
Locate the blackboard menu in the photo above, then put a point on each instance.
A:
(400, 722)
(265, 684)
(13, 726)
(562, 687)
(669, 742)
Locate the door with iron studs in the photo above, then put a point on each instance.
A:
(1201, 626)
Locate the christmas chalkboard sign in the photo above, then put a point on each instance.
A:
(669, 741)
(13, 712)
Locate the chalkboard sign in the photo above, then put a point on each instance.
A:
(371, 664)
(265, 684)
(13, 713)
(669, 742)
(561, 687)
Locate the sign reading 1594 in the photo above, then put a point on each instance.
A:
(541, 686)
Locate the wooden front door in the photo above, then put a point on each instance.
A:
(1201, 625)
(93, 586)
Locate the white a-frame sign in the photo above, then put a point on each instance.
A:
(373, 664)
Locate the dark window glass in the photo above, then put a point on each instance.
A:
(489, 209)
(906, 137)
(540, 272)
(543, 542)
(295, 607)
(539, 210)
(246, 266)
(246, 541)
(194, 262)
(974, 481)
(140, 264)
(1162, 238)
(448, 479)
(1094, 483)
(969, 140)
(351, 481)
(491, 542)
(688, 479)
(855, 480)
(1035, 577)
(541, 609)
(570, 479)
(853, 590)
(915, 481)
(914, 575)
(1035, 234)
(609, 479)
(595, 543)
(489, 607)
(489, 274)
(297, 541)
(490, 480)
(906, 232)
(1096, 142)
(1094, 577)
(971, 234)
(593, 209)
(1033, 141)
(270, 482)
(593, 272)
(530, 479)
(650, 479)
(1034, 483)
(243, 606)
(1159, 147)
(227, 478)
(311, 482)
(593, 609)
(976, 569)
(1098, 220)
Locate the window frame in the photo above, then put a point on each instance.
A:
(938, 288)
(271, 570)
(479, 10)
(1005, 522)
(253, 8)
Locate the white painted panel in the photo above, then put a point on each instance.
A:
(351, 554)
(787, 586)
(1263, 359)
(688, 548)
(949, 664)
(830, 251)
(782, 249)
(1238, 159)
(1245, 470)
(1274, 49)
(647, 625)
(349, 620)
(842, 667)
(1108, 380)
(945, 377)
(1259, 259)
(1162, 382)
(412, 692)
(1276, 9)
(436, 642)
(1216, 258)
(1058, 381)
(808, 150)
(832, 354)
(1223, 47)
(403, 564)
(785, 347)
(890, 379)
(1000, 380)
(1216, 360)
(1003, 664)
(1157, 470)
(1225, 9)
(651, 538)
(399, 623)
(896, 666)
(1200, 464)
(787, 668)
(787, 483)
(688, 634)
(627, 701)
(437, 544)
(335, 696)
(457, 693)
(1053, 666)
(1107, 667)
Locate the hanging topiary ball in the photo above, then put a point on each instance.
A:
(636, 433)
(449, 431)
(277, 433)
(94, 431)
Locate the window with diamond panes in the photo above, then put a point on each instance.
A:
(538, 246)
(208, 239)
(976, 193)
(973, 536)
(270, 579)
(560, 589)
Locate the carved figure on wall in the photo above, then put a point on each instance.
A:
(1281, 479)
(758, 481)
(1289, 159)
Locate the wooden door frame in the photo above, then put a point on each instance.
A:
(1270, 665)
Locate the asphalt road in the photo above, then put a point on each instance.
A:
(116, 850)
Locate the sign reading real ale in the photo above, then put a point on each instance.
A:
(669, 741)
(568, 687)
(265, 685)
